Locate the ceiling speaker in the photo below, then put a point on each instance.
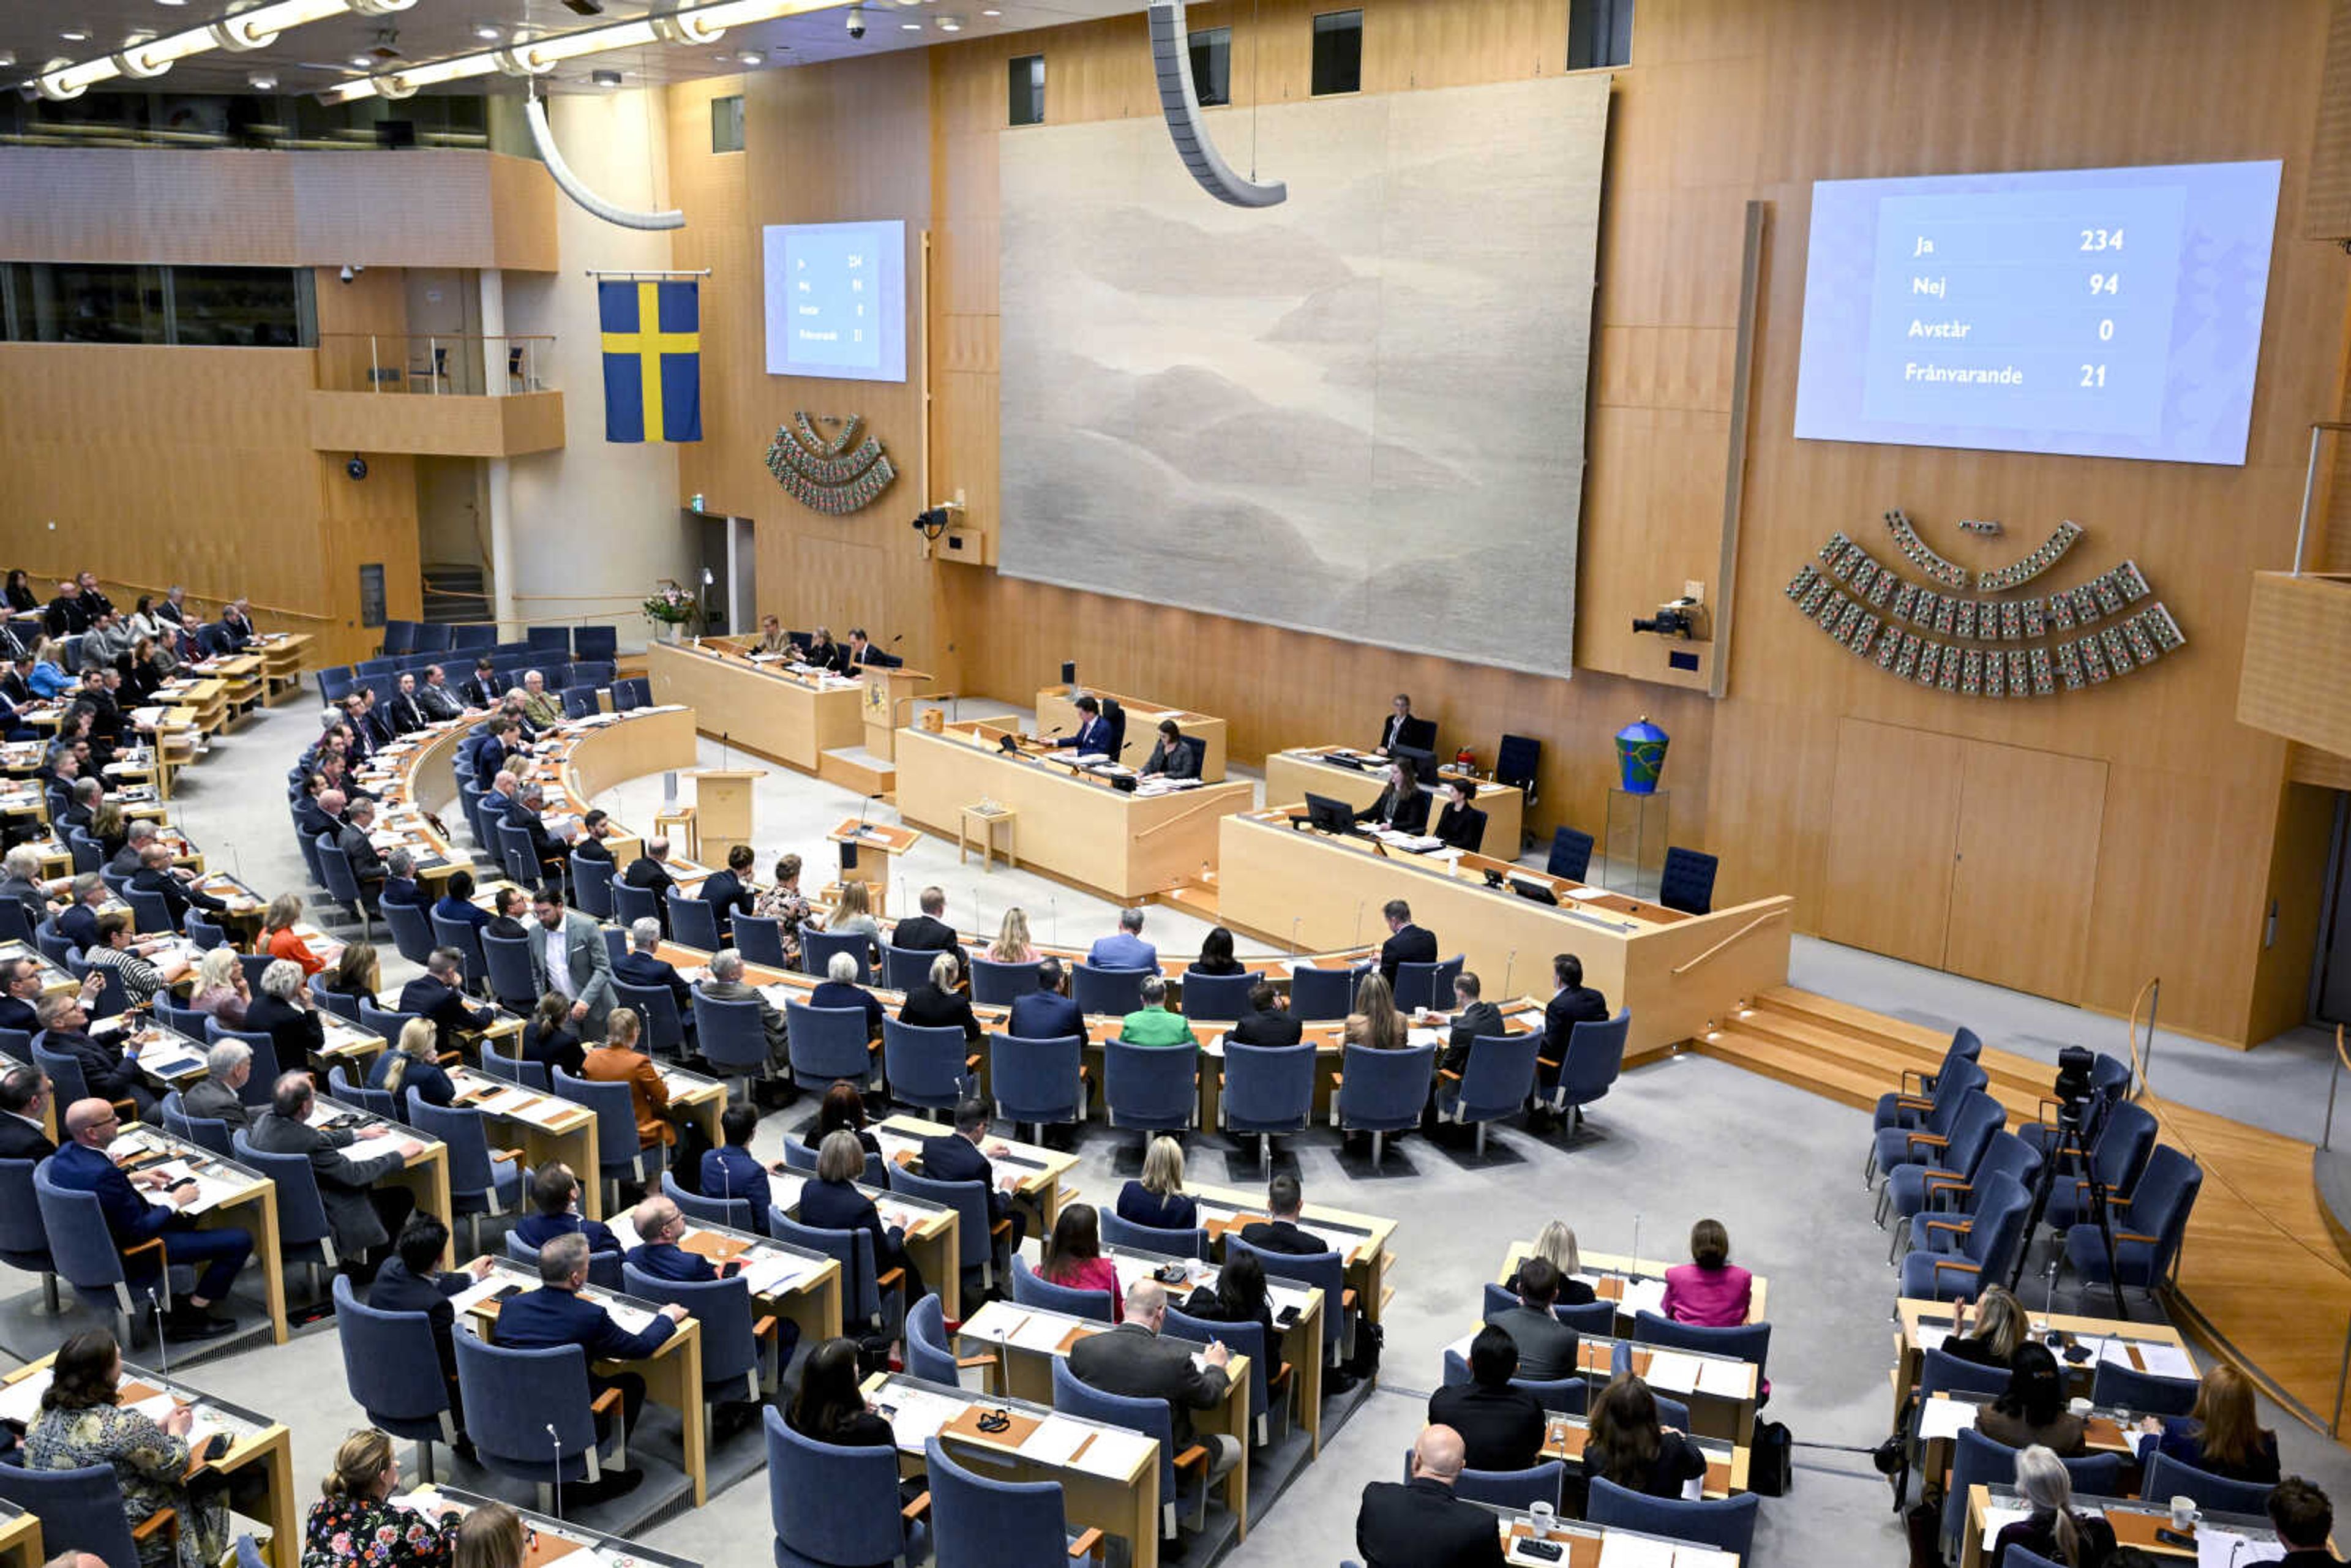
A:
(1171, 56)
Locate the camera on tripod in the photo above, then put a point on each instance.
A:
(2073, 1087)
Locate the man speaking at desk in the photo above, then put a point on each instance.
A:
(1094, 732)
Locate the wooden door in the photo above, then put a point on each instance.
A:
(2027, 857)
(1891, 840)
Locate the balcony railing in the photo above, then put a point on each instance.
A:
(431, 365)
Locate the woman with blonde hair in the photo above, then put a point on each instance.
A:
(278, 938)
(355, 1524)
(1555, 1245)
(414, 1062)
(2222, 1435)
(853, 910)
(1013, 943)
(2001, 1325)
(1375, 1022)
(357, 971)
(491, 1536)
(221, 988)
(1158, 1199)
(109, 827)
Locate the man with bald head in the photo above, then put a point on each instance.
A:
(1132, 1360)
(659, 1225)
(650, 872)
(133, 1219)
(1419, 1523)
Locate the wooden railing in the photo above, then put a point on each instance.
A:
(131, 590)
(1763, 919)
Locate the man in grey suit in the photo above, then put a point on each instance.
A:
(1135, 1361)
(363, 1217)
(725, 984)
(581, 967)
(1546, 1346)
(219, 1098)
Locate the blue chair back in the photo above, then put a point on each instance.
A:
(817, 949)
(1687, 883)
(342, 1004)
(88, 853)
(1151, 1417)
(1596, 1055)
(1116, 991)
(66, 1082)
(833, 1505)
(1728, 1524)
(852, 1249)
(204, 933)
(1269, 1088)
(514, 1069)
(2142, 1393)
(471, 635)
(1216, 998)
(301, 1213)
(929, 1357)
(1153, 1087)
(467, 938)
(975, 1247)
(1126, 1233)
(17, 1044)
(1247, 1339)
(631, 904)
(600, 643)
(1942, 1374)
(1498, 1077)
(604, 1268)
(15, 926)
(984, 1521)
(80, 1244)
(374, 1102)
(732, 1037)
(1322, 996)
(1570, 853)
(151, 915)
(617, 1148)
(591, 885)
(336, 867)
(392, 1368)
(550, 644)
(1416, 984)
(1325, 1272)
(2168, 1477)
(903, 968)
(1031, 1288)
(925, 1065)
(633, 693)
(202, 1131)
(760, 939)
(512, 1396)
(579, 701)
(616, 943)
(508, 962)
(2120, 1156)
(735, 1213)
(377, 1021)
(694, 922)
(476, 1183)
(23, 1244)
(586, 675)
(1036, 1081)
(731, 1351)
(1748, 1342)
(412, 931)
(1383, 1091)
(1000, 985)
(656, 1006)
(1511, 1489)
(78, 1510)
(826, 1043)
(55, 945)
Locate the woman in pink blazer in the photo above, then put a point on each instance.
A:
(1712, 1292)
(1074, 1259)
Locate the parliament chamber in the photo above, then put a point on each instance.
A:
(1650, 694)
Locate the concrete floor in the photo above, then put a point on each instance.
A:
(1675, 1141)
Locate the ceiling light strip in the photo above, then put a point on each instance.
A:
(251, 28)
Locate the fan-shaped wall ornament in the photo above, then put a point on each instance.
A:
(829, 474)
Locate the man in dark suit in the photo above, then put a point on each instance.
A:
(399, 881)
(590, 845)
(16, 684)
(641, 967)
(480, 690)
(363, 1215)
(1419, 1523)
(436, 698)
(133, 1221)
(929, 932)
(1474, 1017)
(435, 995)
(1094, 730)
(404, 715)
(528, 814)
(1170, 757)
(1268, 1022)
(68, 615)
(1401, 806)
(958, 1156)
(25, 981)
(364, 739)
(236, 626)
(1133, 1361)
(1047, 1012)
(107, 1070)
(1501, 1426)
(367, 864)
(658, 1225)
(728, 891)
(310, 818)
(1546, 1346)
(1406, 943)
(490, 760)
(557, 1314)
(78, 922)
(412, 1282)
(82, 796)
(650, 871)
(24, 1101)
(2303, 1518)
(555, 1211)
(1285, 1197)
(1573, 1003)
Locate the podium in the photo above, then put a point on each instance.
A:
(885, 690)
(876, 843)
(722, 809)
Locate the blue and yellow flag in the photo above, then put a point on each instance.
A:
(652, 361)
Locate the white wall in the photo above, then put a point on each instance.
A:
(595, 524)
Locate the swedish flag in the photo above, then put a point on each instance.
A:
(652, 361)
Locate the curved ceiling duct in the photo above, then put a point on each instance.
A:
(534, 115)
(1171, 56)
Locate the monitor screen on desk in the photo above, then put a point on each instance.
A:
(1526, 887)
(1423, 763)
(1329, 815)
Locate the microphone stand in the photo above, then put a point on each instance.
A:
(1636, 1247)
(556, 1438)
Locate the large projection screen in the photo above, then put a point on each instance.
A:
(1360, 413)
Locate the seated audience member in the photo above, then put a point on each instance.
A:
(283, 1012)
(595, 828)
(1406, 943)
(399, 884)
(729, 890)
(823, 654)
(480, 690)
(1152, 1023)
(130, 963)
(830, 1406)
(1237, 1295)
(1573, 1003)
(853, 910)
(2221, 1435)
(221, 988)
(557, 1314)
(1474, 1019)
(618, 1061)
(1555, 1245)
(1158, 1199)
(1419, 1523)
(1709, 1290)
(24, 1105)
(84, 1423)
(724, 983)
(1546, 1346)
(77, 923)
(1402, 807)
(832, 1202)
(1125, 948)
(492, 1536)
(659, 1225)
(936, 1004)
(413, 1064)
(539, 705)
(367, 864)
(643, 967)
(281, 935)
(732, 1171)
(773, 639)
(1169, 758)
(2000, 1325)
(650, 871)
(436, 697)
(131, 1220)
(2032, 1410)
(357, 972)
(363, 1210)
(412, 1280)
(22, 884)
(1285, 1199)
(124, 862)
(1217, 953)
(1047, 1012)
(840, 989)
(1134, 1360)
(457, 903)
(220, 1097)
(26, 980)
(438, 994)
(843, 1109)
(783, 902)
(555, 1211)
(507, 906)
(1267, 1021)
(2051, 1529)
(1013, 944)
(357, 1525)
(551, 1039)
(529, 814)
(930, 933)
(1628, 1447)
(109, 1067)
(1501, 1426)
(1376, 1023)
(959, 1155)
(2303, 1518)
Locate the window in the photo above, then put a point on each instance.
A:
(235, 307)
(727, 124)
(1338, 52)
(212, 307)
(1212, 64)
(1024, 90)
(1599, 33)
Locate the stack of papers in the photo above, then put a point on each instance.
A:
(20, 1402)
(211, 1191)
(2162, 1360)
(1997, 1518)
(1944, 1418)
(767, 1273)
(1114, 1452)
(480, 1291)
(1673, 1371)
(2225, 1549)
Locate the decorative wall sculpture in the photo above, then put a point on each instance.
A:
(826, 475)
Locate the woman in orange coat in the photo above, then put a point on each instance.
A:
(618, 1061)
(277, 937)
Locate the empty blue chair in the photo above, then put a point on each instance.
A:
(434, 637)
(737, 1347)
(579, 701)
(512, 1396)
(977, 1235)
(1031, 1288)
(65, 1080)
(631, 904)
(23, 1243)
(734, 1213)
(616, 943)
(412, 931)
(511, 844)
(595, 643)
(760, 939)
(513, 1069)
(335, 683)
(1421, 986)
(604, 1268)
(1322, 996)
(732, 1038)
(1216, 998)
(635, 693)
(694, 922)
(1000, 985)
(586, 675)
(2117, 1159)
(1152, 1087)
(617, 1149)
(1324, 1272)
(903, 968)
(1268, 1090)
(827, 1044)
(929, 1357)
(15, 926)
(1953, 1258)
(1127, 1235)
(833, 1507)
(393, 1371)
(1570, 854)
(817, 949)
(506, 960)
(925, 1066)
(1036, 1082)
(551, 644)
(1382, 1091)
(1890, 1146)
(1495, 1082)
(591, 885)
(54, 944)
(2168, 1477)
(467, 938)
(342, 1004)
(1948, 1197)
(1954, 1159)
(985, 1522)
(399, 637)
(1687, 881)
(1728, 1524)
(1902, 1107)
(479, 1182)
(2147, 1234)
(16, 1045)
(2116, 1386)
(1114, 991)
(1594, 1058)
(81, 1511)
(1151, 1417)
(471, 635)
(87, 853)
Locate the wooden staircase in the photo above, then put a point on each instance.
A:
(1853, 1055)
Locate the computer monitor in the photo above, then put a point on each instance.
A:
(1423, 763)
(1329, 815)
(1538, 891)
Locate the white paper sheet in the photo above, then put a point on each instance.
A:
(767, 1274)
(2162, 1360)
(631, 1319)
(20, 1402)
(624, 1231)
(1054, 1440)
(1672, 1372)
(1725, 1379)
(1632, 1552)
(211, 1191)
(1644, 1296)
(1944, 1418)
(995, 1322)
(2226, 1549)
(919, 1414)
(1997, 1520)
(1704, 1557)
(1113, 1453)
(1042, 1332)
(479, 1290)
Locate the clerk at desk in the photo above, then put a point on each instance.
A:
(1401, 806)
(1094, 732)
(1171, 758)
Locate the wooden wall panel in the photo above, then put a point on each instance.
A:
(1897, 805)
(2297, 890)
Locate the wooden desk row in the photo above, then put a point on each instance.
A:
(1290, 774)
(1635, 1285)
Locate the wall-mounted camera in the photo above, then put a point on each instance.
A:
(1686, 619)
(857, 21)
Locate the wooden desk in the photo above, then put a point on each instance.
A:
(1290, 774)
(1608, 1273)
(2133, 1524)
(1040, 1170)
(236, 1197)
(1564, 1437)
(424, 1173)
(877, 845)
(260, 1448)
(761, 708)
(20, 1538)
(1077, 827)
(281, 653)
(549, 1539)
(1057, 708)
(1298, 1342)
(702, 1099)
(1678, 974)
(722, 807)
(542, 1126)
(1110, 1482)
(1922, 1323)
(809, 1292)
(1587, 1545)
(1360, 1239)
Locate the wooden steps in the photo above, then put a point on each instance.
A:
(1853, 1055)
(854, 767)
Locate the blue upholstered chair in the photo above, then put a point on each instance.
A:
(1382, 1091)
(1496, 1082)
(1594, 1056)
(1268, 1090)
(1152, 1087)
(980, 1520)
(1031, 1288)
(512, 1396)
(1116, 992)
(393, 1369)
(1037, 1081)
(1727, 1524)
(929, 1067)
(831, 1507)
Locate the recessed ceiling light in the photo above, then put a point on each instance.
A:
(991, 11)
(752, 58)
(262, 81)
(76, 35)
(488, 32)
(605, 78)
(950, 24)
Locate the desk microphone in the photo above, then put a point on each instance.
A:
(163, 1352)
(723, 747)
(1359, 922)
(1508, 964)
(1636, 1247)
(1053, 910)
(555, 1437)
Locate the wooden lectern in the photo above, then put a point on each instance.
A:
(877, 843)
(886, 692)
(722, 809)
